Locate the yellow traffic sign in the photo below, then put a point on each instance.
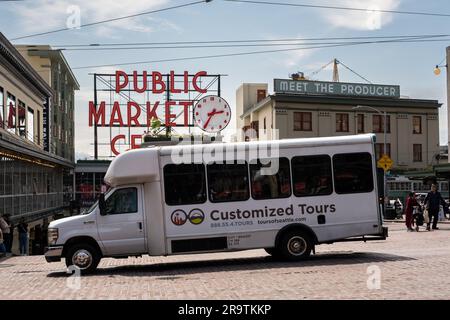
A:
(385, 162)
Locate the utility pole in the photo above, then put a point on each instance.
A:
(335, 70)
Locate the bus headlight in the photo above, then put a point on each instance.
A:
(52, 236)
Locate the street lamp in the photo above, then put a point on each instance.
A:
(384, 149)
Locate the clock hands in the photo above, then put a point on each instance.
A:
(210, 115)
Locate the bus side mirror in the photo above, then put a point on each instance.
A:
(102, 204)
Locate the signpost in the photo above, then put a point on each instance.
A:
(385, 162)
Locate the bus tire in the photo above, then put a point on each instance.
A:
(83, 257)
(295, 245)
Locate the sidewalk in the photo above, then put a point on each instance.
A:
(402, 220)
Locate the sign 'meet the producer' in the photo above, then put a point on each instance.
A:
(336, 88)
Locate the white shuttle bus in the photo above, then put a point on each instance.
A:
(227, 197)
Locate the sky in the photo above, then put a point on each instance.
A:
(409, 65)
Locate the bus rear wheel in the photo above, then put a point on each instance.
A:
(295, 245)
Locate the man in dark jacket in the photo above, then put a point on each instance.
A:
(432, 202)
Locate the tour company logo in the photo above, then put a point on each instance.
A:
(195, 216)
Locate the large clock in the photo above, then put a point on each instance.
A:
(212, 114)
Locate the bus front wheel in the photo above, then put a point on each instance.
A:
(295, 245)
(83, 257)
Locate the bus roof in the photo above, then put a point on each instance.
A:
(142, 165)
(285, 143)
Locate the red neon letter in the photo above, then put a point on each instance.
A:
(133, 118)
(186, 105)
(118, 84)
(157, 80)
(186, 82)
(172, 83)
(133, 141)
(151, 113)
(116, 113)
(170, 115)
(113, 143)
(97, 114)
(144, 82)
(194, 81)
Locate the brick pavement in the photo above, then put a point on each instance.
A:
(412, 265)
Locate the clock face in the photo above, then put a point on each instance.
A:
(212, 114)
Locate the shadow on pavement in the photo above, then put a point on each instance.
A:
(175, 270)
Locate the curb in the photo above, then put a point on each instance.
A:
(404, 221)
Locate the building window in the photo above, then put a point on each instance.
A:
(30, 125)
(379, 150)
(417, 124)
(352, 173)
(260, 95)
(11, 113)
(2, 112)
(270, 186)
(311, 175)
(302, 121)
(255, 127)
(184, 184)
(360, 120)
(38, 133)
(22, 120)
(228, 182)
(341, 122)
(417, 152)
(264, 124)
(378, 123)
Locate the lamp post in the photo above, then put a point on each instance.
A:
(384, 148)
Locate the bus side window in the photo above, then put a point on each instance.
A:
(268, 186)
(184, 184)
(228, 182)
(353, 173)
(311, 175)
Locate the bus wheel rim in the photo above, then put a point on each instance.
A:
(82, 259)
(297, 246)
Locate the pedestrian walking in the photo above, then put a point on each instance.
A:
(432, 202)
(22, 228)
(6, 230)
(411, 202)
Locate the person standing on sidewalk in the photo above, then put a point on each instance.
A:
(411, 202)
(23, 237)
(6, 230)
(8, 240)
(2, 245)
(432, 202)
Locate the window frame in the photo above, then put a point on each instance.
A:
(288, 161)
(420, 125)
(359, 155)
(189, 203)
(420, 153)
(302, 121)
(130, 212)
(331, 176)
(208, 184)
(340, 119)
(381, 124)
